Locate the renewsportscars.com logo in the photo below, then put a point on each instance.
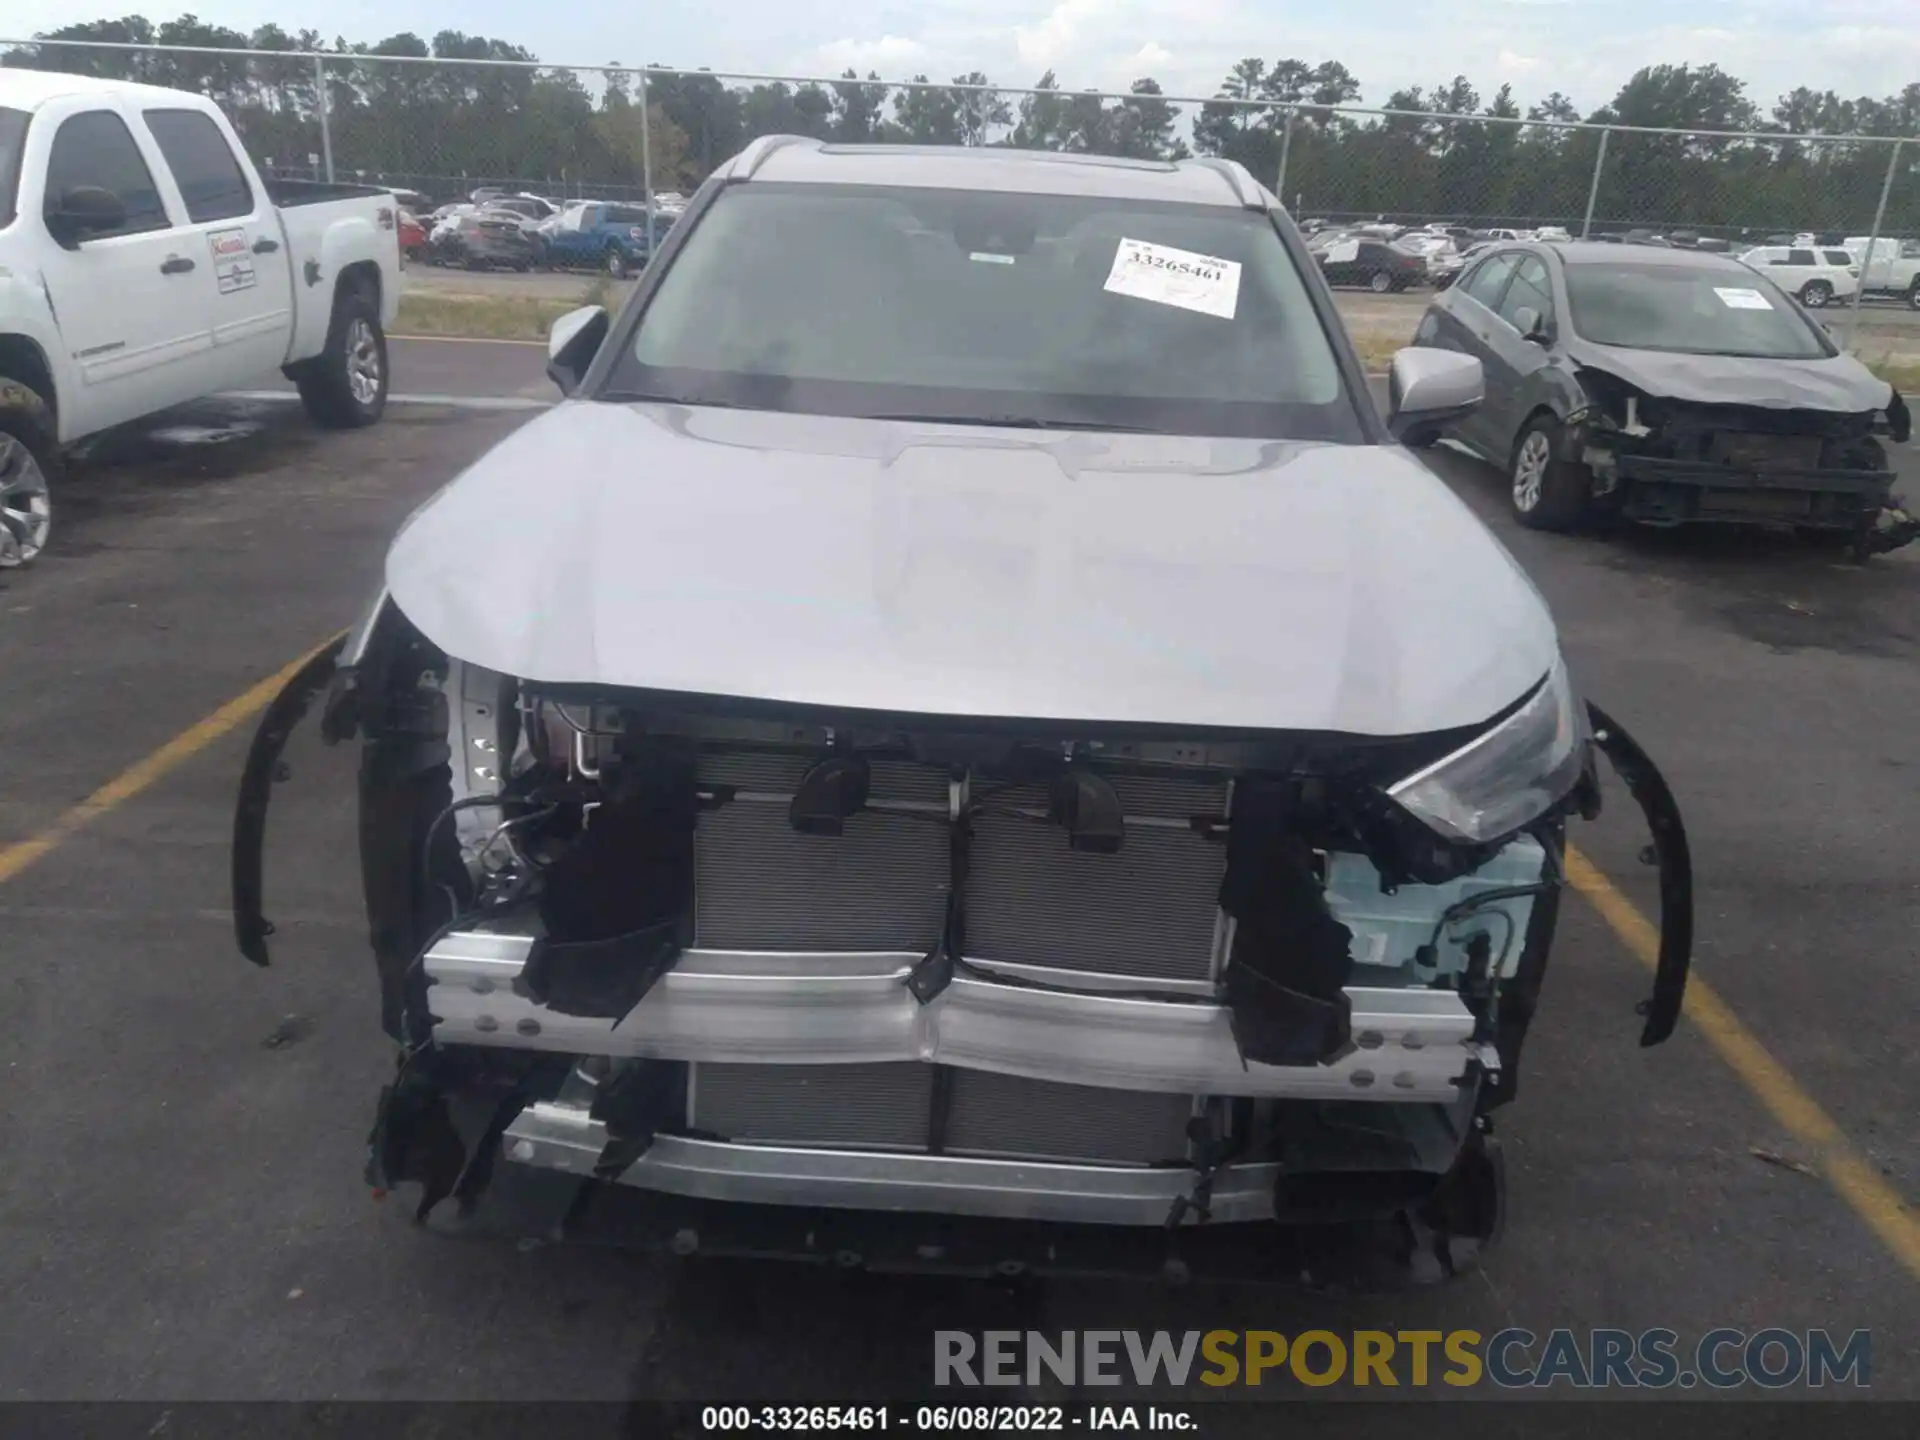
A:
(1721, 1359)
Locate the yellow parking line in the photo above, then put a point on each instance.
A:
(1850, 1173)
(143, 773)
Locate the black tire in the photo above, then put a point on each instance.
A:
(1913, 294)
(1380, 282)
(344, 387)
(1815, 294)
(1560, 494)
(29, 472)
(617, 266)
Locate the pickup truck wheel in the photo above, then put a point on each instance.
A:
(345, 386)
(1546, 493)
(1913, 294)
(1815, 294)
(617, 264)
(29, 459)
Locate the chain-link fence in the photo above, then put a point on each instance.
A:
(446, 127)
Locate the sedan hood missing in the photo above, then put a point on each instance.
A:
(1839, 384)
(971, 571)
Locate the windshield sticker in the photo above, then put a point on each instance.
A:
(1167, 276)
(989, 258)
(1739, 299)
(232, 260)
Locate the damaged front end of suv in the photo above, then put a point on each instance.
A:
(894, 971)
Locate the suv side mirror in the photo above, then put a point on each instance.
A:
(1427, 388)
(572, 343)
(83, 210)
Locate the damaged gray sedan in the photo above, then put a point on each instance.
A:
(984, 751)
(1667, 387)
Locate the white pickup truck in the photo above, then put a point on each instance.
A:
(144, 262)
(1893, 267)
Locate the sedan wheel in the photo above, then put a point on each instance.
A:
(1546, 493)
(1815, 294)
(1380, 282)
(26, 510)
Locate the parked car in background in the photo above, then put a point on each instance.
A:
(413, 237)
(600, 236)
(1816, 276)
(144, 263)
(1890, 268)
(1446, 269)
(1358, 260)
(1667, 386)
(483, 239)
(1552, 234)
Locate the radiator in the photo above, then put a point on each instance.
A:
(1149, 911)
(761, 885)
(890, 1106)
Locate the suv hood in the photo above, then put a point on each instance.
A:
(970, 571)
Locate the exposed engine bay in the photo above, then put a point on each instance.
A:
(730, 951)
(1660, 460)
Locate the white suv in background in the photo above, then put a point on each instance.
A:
(1816, 274)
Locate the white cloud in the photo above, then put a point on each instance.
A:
(890, 55)
(1043, 44)
(1153, 53)
(1508, 60)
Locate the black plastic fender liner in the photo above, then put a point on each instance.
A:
(1675, 861)
(283, 715)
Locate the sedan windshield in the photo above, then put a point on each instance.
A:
(1690, 310)
(990, 308)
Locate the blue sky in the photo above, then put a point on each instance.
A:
(1582, 47)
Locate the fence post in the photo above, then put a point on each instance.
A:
(1873, 240)
(1286, 146)
(646, 162)
(320, 102)
(1593, 190)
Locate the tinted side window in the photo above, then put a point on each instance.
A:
(1801, 257)
(1490, 278)
(1837, 257)
(1531, 288)
(210, 179)
(96, 148)
(626, 215)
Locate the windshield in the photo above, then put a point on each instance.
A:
(13, 144)
(1690, 310)
(990, 307)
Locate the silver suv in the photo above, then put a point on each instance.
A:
(985, 724)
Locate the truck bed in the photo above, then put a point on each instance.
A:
(289, 193)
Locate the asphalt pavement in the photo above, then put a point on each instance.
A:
(181, 1201)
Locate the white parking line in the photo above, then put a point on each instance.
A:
(450, 402)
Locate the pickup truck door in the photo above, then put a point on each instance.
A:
(235, 234)
(128, 302)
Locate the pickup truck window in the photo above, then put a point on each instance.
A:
(13, 147)
(210, 179)
(96, 148)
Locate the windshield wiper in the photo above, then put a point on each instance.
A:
(1018, 422)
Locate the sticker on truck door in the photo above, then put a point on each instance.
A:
(232, 260)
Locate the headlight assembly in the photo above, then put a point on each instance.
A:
(1508, 777)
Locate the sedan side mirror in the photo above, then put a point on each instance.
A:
(1427, 388)
(572, 343)
(1531, 324)
(81, 211)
